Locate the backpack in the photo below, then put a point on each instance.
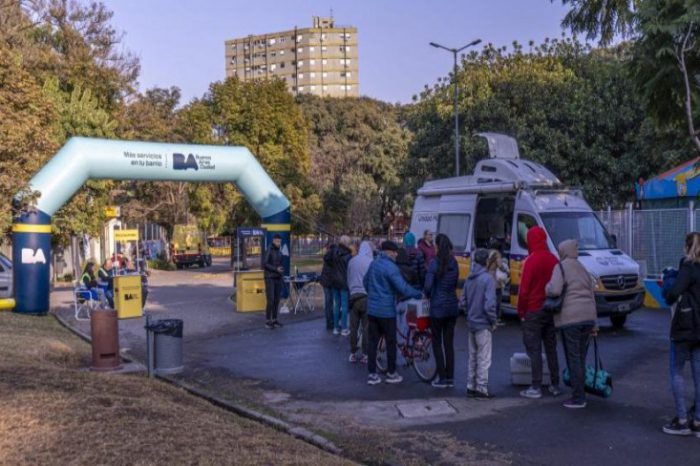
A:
(685, 323)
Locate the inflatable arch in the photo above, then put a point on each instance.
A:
(82, 159)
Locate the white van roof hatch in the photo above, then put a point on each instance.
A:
(504, 171)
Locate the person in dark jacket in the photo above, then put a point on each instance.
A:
(479, 297)
(538, 326)
(273, 267)
(339, 283)
(326, 281)
(684, 298)
(415, 258)
(384, 283)
(427, 247)
(441, 289)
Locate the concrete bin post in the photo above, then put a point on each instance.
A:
(104, 328)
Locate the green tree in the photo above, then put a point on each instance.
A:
(571, 107)
(667, 62)
(601, 19)
(358, 149)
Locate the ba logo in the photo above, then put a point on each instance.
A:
(130, 296)
(179, 162)
(30, 256)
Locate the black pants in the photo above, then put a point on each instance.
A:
(378, 326)
(538, 328)
(443, 346)
(358, 320)
(575, 340)
(273, 291)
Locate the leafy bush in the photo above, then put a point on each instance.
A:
(161, 264)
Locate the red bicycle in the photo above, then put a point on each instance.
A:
(416, 347)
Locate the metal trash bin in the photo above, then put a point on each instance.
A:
(167, 334)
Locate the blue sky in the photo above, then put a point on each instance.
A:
(181, 43)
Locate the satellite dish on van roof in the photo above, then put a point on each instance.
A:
(501, 146)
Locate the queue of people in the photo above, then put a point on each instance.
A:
(370, 285)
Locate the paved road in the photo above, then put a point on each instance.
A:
(303, 372)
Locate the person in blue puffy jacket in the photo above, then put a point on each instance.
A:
(383, 283)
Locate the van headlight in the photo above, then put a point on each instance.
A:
(597, 285)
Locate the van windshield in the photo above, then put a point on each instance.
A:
(582, 226)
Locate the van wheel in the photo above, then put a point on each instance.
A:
(618, 321)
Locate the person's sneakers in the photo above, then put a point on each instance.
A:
(277, 323)
(336, 331)
(676, 427)
(393, 377)
(573, 404)
(269, 325)
(695, 428)
(532, 392)
(450, 383)
(500, 323)
(364, 359)
(554, 390)
(353, 358)
(482, 395)
(373, 379)
(471, 393)
(345, 332)
(438, 383)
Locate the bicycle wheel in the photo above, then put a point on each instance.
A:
(422, 354)
(382, 360)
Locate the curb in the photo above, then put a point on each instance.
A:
(298, 432)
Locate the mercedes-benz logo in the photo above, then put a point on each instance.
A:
(621, 281)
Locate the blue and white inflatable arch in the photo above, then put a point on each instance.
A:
(82, 159)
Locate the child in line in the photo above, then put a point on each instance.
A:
(479, 297)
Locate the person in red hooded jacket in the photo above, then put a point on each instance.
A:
(538, 326)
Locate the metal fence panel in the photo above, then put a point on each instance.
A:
(658, 237)
(617, 222)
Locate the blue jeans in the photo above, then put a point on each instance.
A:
(680, 353)
(340, 308)
(328, 307)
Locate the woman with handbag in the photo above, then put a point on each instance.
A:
(684, 298)
(576, 320)
(441, 289)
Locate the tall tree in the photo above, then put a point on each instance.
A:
(601, 19)
(358, 149)
(667, 62)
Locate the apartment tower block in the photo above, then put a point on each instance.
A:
(320, 60)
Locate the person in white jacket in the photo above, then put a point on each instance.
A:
(357, 269)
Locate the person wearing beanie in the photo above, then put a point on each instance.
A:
(479, 297)
(414, 260)
(383, 283)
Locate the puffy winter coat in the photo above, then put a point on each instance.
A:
(442, 291)
(579, 301)
(383, 283)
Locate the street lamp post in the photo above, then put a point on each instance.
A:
(454, 78)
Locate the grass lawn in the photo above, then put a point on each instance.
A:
(52, 412)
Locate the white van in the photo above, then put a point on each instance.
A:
(506, 196)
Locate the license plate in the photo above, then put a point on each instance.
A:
(624, 307)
